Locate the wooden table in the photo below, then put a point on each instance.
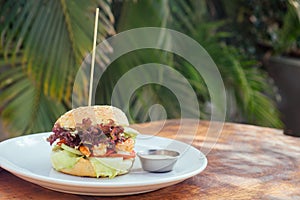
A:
(248, 162)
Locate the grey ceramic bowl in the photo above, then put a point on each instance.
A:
(158, 160)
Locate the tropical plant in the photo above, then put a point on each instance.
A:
(43, 44)
(263, 25)
(288, 42)
(248, 89)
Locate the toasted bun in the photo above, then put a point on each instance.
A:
(84, 167)
(98, 115)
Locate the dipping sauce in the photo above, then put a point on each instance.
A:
(158, 160)
(157, 156)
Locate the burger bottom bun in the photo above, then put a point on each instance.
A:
(84, 167)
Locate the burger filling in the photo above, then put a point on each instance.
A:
(107, 146)
(101, 140)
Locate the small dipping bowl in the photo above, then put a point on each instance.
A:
(158, 160)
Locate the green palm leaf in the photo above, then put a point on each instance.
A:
(45, 42)
(247, 89)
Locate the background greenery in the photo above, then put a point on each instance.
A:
(44, 42)
(265, 26)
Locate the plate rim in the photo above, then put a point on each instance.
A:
(21, 172)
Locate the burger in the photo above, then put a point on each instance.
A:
(93, 141)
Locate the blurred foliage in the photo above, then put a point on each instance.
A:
(261, 26)
(248, 91)
(289, 35)
(43, 44)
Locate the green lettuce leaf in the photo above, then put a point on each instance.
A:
(102, 169)
(62, 159)
(71, 150)
(130, 132)
(110, 167)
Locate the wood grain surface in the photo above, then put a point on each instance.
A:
(247, 162)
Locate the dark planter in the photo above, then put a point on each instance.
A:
(286, 74)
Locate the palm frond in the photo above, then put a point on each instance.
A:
(244, 88)
(45, 43)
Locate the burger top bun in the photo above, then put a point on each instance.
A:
(97, 114)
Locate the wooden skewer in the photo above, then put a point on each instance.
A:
(93, 58)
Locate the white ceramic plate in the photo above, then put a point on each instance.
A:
(28, 157)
